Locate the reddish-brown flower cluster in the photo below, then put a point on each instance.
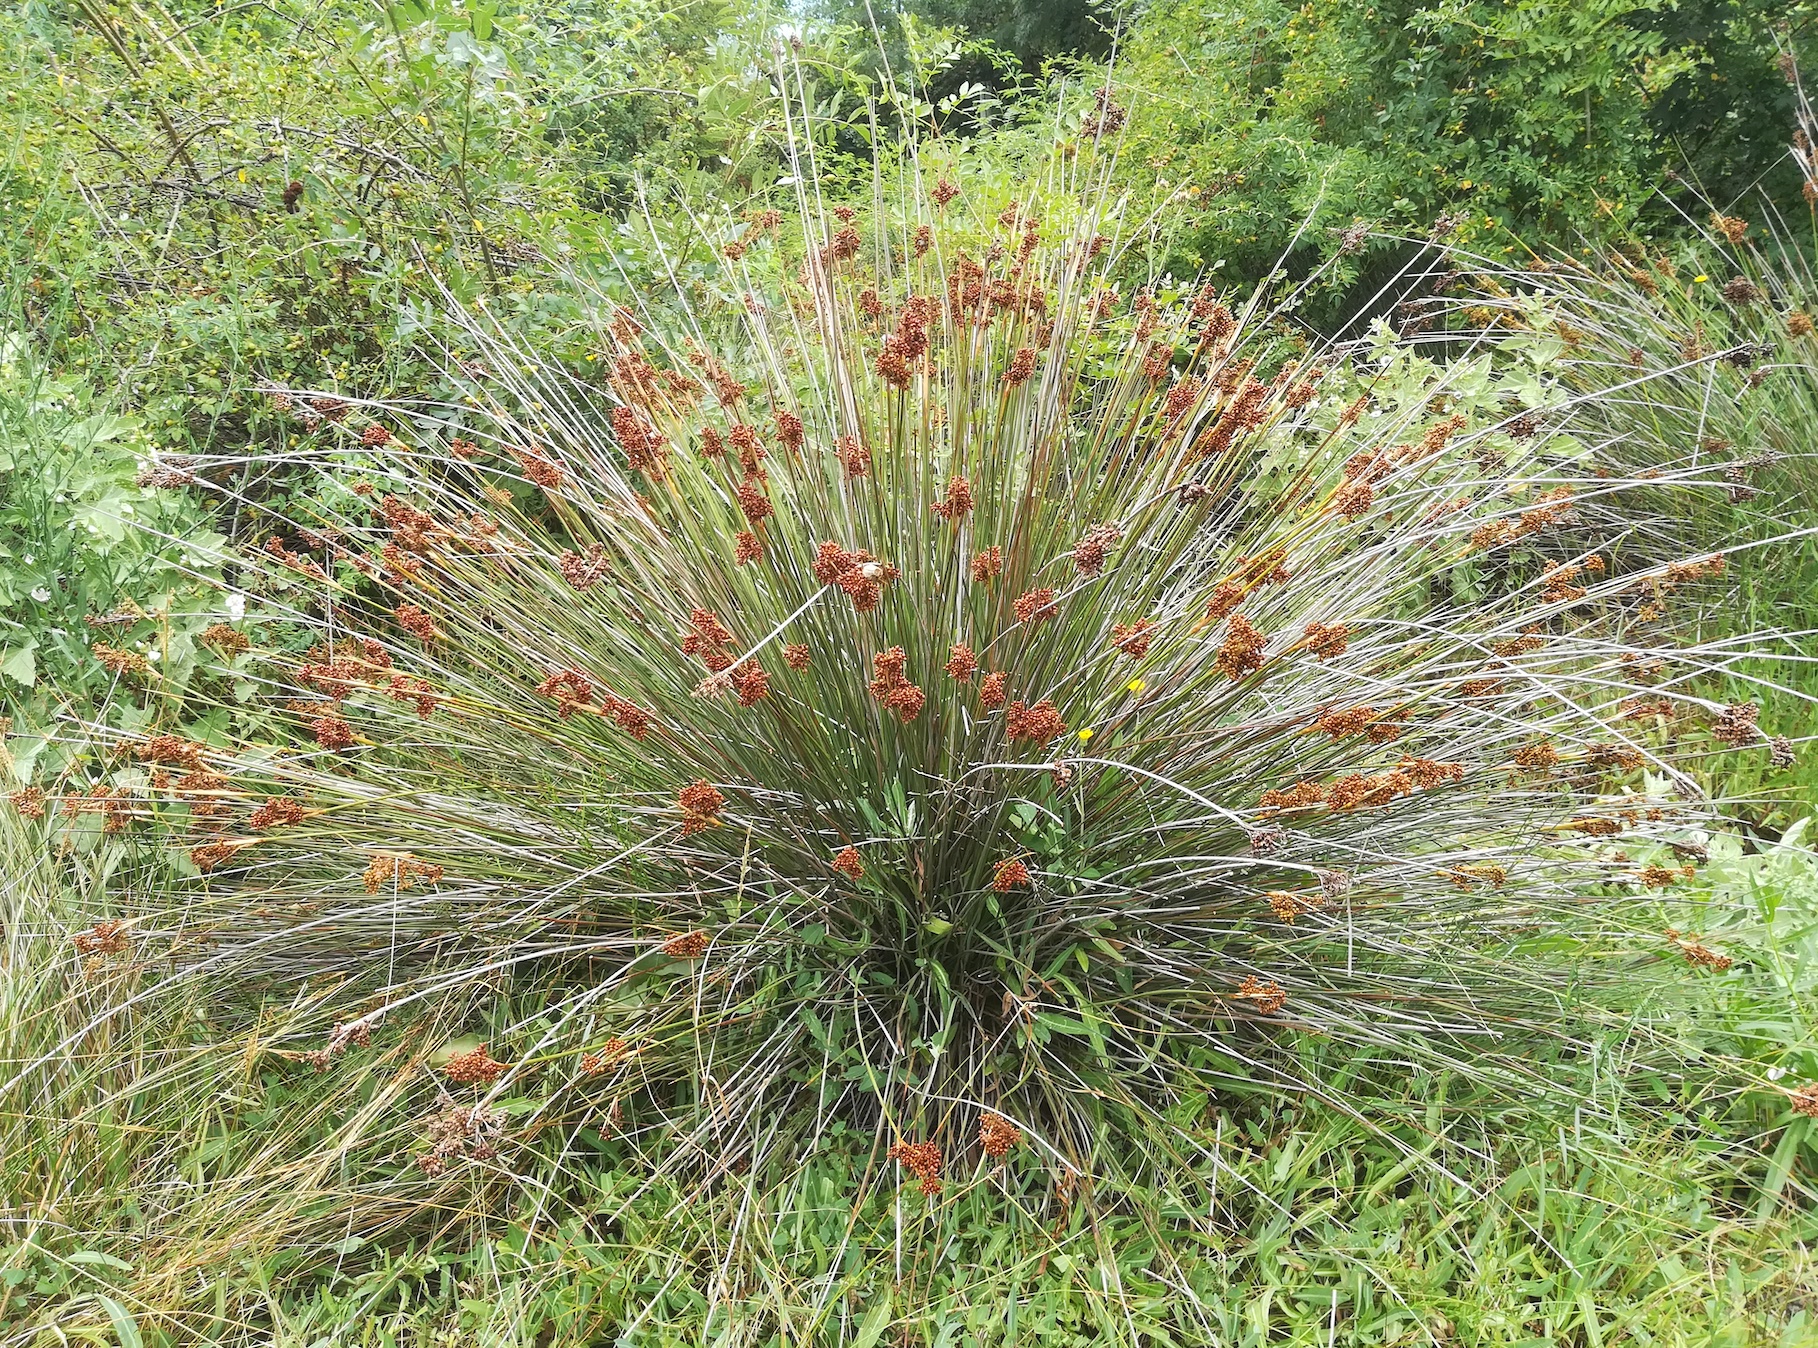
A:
(962, 664)
(1558, 587)
(226, 640)
(275, 812)
(332, 732)
(1225, 600)
(1133, 638)
(1351, 721)
(461, 1134)
(1692, 946)
(848, 863)
(463, 449)
(1040, 723)
(1327, 642)
(538, 469)
(707, 640)
(889, 686)
(1353, 499)
(859, 574)
(997, 1136)
(638, 438)
(1805, 1099)
(795, 655)
(1736, 724)
(1022, 365)
(751, 683)
(399, 869)
(907, 344)
(988, 565)
(583, 570)
(746, 548)
(789, 430)
(752, 501)
(29, 802)
(1242, 651)
(854, 457)
(991, 692)
(171, 750)
(700, 804)
(1036, 606)
(945, 190)
(1265, 992)
(1247, 411)
(921, 1159)
(416, 622)
(296, 561)
(1287, 907)
(104, 938)
(209, 855)
(569, 689)
(956, 504)
(476, 1067)
(1090, 552)
(750, 449)
(1540, 756)
(1011, 873)
(1660, 877)
(689, 945)
(613, 1051)
(123, 663)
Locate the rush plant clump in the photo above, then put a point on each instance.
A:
(929, 688)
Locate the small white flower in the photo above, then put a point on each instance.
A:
(42, 593)
(1775, 1073)
(236, 606)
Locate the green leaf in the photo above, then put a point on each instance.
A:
(97, 1257)
(20, 663)
(872, 1327)
(126, 1329)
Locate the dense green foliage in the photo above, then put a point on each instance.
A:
(205, 201)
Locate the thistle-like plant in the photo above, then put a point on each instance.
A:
(898, 679)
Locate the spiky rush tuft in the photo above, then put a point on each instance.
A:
(1047, 604)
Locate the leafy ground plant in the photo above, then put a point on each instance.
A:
(914, 694)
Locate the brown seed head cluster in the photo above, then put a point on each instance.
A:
(1735, 724)
(400, 869)
(1090, 552)
(860, 575)
(889, 686)
(104, 938)
(1696, 953)
(796, 656)
(276, 812)
(1133, 639)
(922, 1160)
(1036, 606)
(690, 945)
(988, 565)
(1242, 651)
(991, 692)
(997, 1136)
(473, 1068)
(962, 664)
(849, 864)
(1327, 641)
(1010, 873)
(956, 504)
(700, 804)
(1265, 992)
(1040, 723)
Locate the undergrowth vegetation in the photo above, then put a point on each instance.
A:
(648, 703)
